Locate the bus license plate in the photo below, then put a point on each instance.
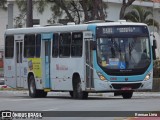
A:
(126, 88)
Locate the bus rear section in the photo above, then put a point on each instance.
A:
(15, 72)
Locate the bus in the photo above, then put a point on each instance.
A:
(80, 59)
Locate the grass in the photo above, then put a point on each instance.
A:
(11, 89)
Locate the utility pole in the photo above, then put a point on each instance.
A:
(10, 15)
(29, 22)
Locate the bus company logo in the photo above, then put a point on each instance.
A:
(61, 67)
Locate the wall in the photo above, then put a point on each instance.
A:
(3, 23)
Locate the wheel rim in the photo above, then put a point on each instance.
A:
(32, 87)
(79, 88)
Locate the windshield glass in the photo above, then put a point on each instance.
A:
(123, 53)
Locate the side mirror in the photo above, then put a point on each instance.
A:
(93, 45)
(154, 44)
(154, 47)
(153, 53)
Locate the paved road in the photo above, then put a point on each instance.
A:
(19, 101)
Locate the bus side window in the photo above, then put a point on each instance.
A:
(76, 46)
(55, 45)
(64, 44)
(38, 45)
(9, 46)
(29, 46)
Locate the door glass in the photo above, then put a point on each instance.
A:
(19, 52)
(20, 56)
(17, 44)
(47, 63)
(47, 51)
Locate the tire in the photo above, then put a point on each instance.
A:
(42, 94)
(127, 95)
(71, 93)
(77, 90)
(33, 92)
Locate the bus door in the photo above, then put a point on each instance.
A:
(46, 57)
(89, 60)
(18, 58)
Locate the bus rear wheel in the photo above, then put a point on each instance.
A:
(33, 92)
(77, 90)
(127, 95)
(71, 93)
(42, 94)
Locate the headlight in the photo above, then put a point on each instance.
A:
(101, 76)
(148, 76)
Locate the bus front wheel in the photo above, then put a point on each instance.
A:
(77, 90)
(127, 95)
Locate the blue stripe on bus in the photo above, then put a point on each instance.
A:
(133, 78)
(93, 29)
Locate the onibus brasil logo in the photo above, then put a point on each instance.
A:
(9, 115)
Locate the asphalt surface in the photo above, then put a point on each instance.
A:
(141, 101)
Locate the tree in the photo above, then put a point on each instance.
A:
(19, 20)
(74, 10)
(138, 14)
(125, 4)
(22, 6)
(3, 4)
(29, 21)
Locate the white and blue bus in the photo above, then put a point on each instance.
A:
(80, 59)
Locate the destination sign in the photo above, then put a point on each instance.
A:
(109, 30)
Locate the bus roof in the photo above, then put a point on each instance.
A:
(65, 28)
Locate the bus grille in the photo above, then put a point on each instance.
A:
(133, 85)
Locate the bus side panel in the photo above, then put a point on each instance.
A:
(9, 73)
(62, 70)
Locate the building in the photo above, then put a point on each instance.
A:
(113, 11)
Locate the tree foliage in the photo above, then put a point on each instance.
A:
(125, 4)
(76, 11)
(3, 4)
(138, 14)
(22, 6)
(71, 10)
(19, 20)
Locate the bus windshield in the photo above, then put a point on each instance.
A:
(123, 53)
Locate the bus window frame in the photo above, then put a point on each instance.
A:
(38, 55)
(62, 45)
(74, 45)
(12, 56)
(53, 45)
